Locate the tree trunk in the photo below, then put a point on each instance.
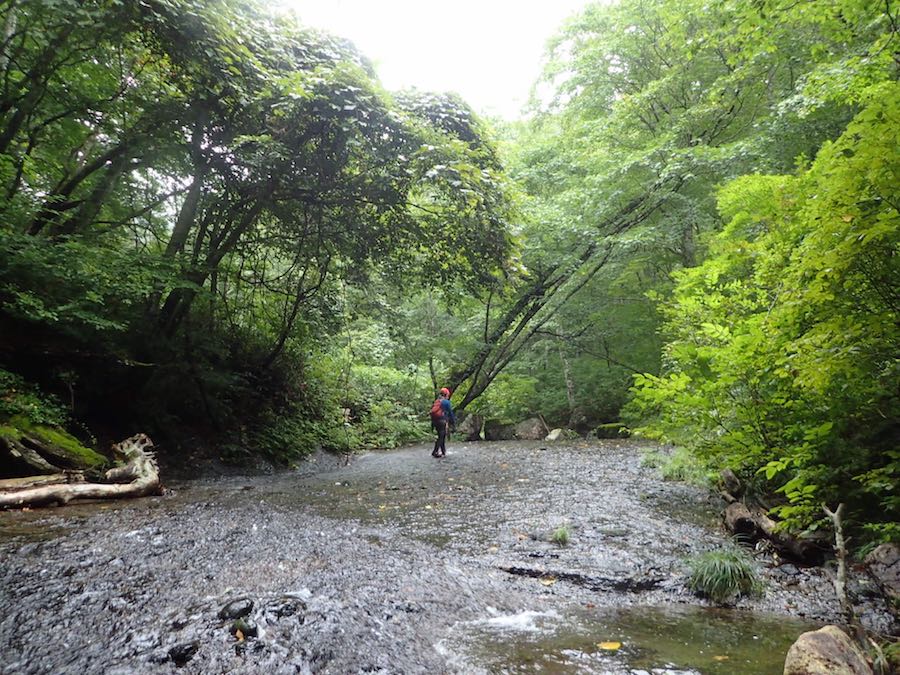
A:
(539, 301)
(179, 300)
(91, 206)
(34, 85)
(188, 212)
(141, 471)
(9, 29)
(12, 484)
(58, 200)
(570, 386)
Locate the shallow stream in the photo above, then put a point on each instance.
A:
(395, 563)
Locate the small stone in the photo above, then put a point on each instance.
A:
(184, 652)
(236, 609)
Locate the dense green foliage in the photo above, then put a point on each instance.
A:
(735, 167)
(189, 188)
(782, 359)
(651, 107)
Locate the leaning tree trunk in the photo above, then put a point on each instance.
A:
(140, 473)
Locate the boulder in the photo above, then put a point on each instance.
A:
(531, 429)
(884, 565)
(579, 421)
(496, 431)
(827, 651)
(554, 435)
(469, 428)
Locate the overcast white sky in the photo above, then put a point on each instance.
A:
(488, 51)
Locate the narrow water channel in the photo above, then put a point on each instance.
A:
(395, 562)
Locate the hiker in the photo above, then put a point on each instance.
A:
(441, 417)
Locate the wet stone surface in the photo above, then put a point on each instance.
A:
(397, 562)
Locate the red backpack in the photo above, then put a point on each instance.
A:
(437, 412)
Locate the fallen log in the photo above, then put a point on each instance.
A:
(29, 449)
(27, 456)
(753, 524)
(140, 469)
(8, 484)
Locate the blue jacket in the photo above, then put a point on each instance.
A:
(447, 409)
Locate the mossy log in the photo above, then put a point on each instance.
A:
(38, 449)
(139, 469)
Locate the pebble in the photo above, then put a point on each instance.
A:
(236, 609)
(184, 652)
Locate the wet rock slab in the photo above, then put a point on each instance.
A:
(362, 568)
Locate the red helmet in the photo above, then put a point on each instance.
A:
(445, 392)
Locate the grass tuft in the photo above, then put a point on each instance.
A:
(561, 536)
(723, 575)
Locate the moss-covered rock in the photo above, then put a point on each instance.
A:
(612, 430)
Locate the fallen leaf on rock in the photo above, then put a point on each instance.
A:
(548, 581)
(239, 635)
(610, 646)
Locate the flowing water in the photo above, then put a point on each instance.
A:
(395, 563)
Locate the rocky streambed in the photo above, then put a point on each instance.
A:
(396, 563)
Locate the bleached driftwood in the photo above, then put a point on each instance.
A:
(140, 470)
(11, 484)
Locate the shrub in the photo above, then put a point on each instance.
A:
(652, 459)
(19, 398)
(723, 575)
(679, 465)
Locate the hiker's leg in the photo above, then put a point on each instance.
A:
(436, 426)
(442, 437)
